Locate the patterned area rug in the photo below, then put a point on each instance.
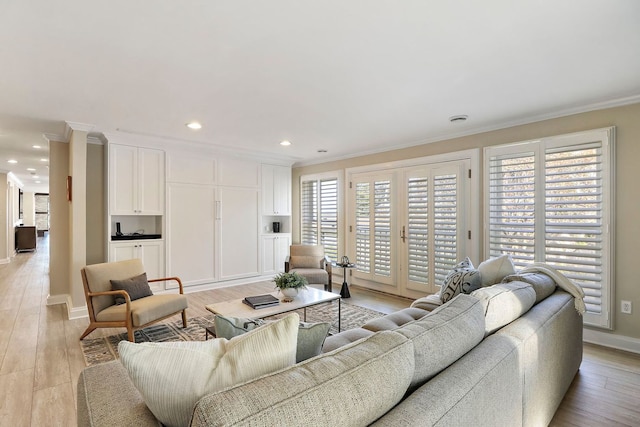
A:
(104, 349)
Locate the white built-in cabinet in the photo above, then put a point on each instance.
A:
(213, 218)
(151, 252)
(136, 180)
(275, 248)
(276, 190)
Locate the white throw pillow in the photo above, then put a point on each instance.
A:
(173, 376)
(495, 269)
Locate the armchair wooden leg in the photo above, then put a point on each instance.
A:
(89, 329)
(130, 335)
(184, 318)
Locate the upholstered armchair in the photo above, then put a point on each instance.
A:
(136, 314)
(310, 262)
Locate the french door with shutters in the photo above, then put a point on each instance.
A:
(410, 226)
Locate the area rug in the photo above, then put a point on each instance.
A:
(104, 349)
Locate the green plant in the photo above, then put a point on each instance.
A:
(290, 280)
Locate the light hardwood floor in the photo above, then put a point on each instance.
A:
(40, 356)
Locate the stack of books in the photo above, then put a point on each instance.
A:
(261, 301)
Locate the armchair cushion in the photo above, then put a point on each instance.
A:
(313, 275)
(145, 310)
(306, 261)
(137, 287)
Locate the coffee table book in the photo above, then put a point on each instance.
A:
(261, 301)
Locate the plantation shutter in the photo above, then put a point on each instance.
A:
(329, 217)
(418, 229)
(309, 212)
(574, 217)
(512, 207)
(550, 201)
(373, 216)
(319, 214)
(446, 225)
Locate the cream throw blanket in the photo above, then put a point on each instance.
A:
(561, 280)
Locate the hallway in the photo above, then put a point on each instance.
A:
(40, 358)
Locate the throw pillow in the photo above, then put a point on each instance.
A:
(311, 336)
(173, 376)
(495, 269)
(463, 278)
(229, 327)
(137, 287)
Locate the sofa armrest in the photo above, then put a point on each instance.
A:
(107, 397)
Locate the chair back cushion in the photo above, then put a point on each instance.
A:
(306, 256)
(99, 278)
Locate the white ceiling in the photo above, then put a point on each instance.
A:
(347, 76)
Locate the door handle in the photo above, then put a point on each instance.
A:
(403, 236)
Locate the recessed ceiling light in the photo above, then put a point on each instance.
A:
(37, 182)
(12, 161)
(35, 177)
(458, 119)
(31, 169)
(322, 150)
(37, 146)
(194, 125)
(44, 160)
(285, 143)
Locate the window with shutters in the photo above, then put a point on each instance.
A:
(550, 201)
(319, 213)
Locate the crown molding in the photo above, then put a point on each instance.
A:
(80, 127)
(52, 137)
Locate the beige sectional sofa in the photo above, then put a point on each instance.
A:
(502, 356)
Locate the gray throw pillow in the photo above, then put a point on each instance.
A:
(137, 287)
(229, 327)
(463, 278)
(311, 336)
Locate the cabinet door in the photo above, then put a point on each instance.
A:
(282, 190)
(238, 217)
(275, 249)
(123, 179)
(122, 251)
(150, 181)
(191, 233)
(152, 255)
(267, 190)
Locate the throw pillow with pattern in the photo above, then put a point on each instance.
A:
(463, 278)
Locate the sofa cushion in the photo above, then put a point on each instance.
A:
(428, 303)
(353, 385)
(493, 270)
(504, 302)
(395, 320)
(145, 310)
(463, 278)
(443, 336)
(345, 337)
(137, 287)
(542, 284)
(173, 376)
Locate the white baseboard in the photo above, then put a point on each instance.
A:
(77, 312)
(5, 261)
(72, 312)
(619, 342)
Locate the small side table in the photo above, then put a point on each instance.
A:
(344, 291)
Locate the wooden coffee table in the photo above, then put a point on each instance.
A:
(306, 298)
